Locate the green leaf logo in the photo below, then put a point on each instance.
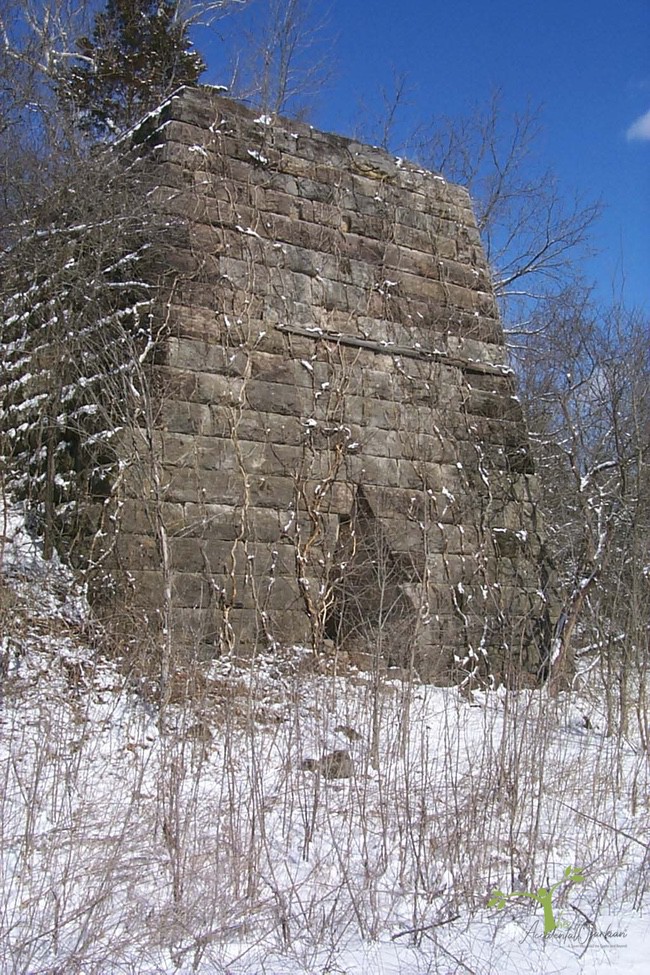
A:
(543, 896)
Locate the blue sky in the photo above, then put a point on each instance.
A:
(585, 62)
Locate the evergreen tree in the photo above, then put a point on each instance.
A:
(138, 53)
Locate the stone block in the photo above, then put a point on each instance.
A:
(196, 486)
(137, 552)
(192, 590)
(208, 521)
(140, 517)
(278, 398)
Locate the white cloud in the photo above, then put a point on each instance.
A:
(640, 129)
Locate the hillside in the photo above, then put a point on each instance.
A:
(280, 820)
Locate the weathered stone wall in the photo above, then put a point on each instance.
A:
(339, 455)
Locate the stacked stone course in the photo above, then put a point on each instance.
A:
(341, 459)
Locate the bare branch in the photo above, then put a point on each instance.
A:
(532, 236)
(285, 68)
(381, 131)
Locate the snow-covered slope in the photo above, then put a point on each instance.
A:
(286, 821)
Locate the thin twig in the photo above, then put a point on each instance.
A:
(599, 822)
(427, 927)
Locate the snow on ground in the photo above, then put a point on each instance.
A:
(216, 838)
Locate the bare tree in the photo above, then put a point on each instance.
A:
(282, 67)
(587, 401)
(35, 137)
(533, 233)
(394, 99)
